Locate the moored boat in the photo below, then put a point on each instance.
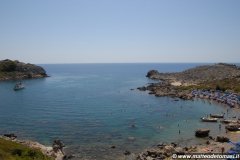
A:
(233, 127)
(229, 121)
(209, 119)
(217, 115)
(19, 86)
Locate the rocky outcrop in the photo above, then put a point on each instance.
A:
(14, 70)
(12, 136)
(165, 89)
(222, 139)
(153, 74)
(199, 74)
(202, 132)
(164, 151)
(220, 76)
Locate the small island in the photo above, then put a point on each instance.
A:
(15, 70)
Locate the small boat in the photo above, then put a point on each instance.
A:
(217, 115)
(229, 121)
(209, 119)
(18, 86)
(233, 127)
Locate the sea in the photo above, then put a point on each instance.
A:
(96, 110)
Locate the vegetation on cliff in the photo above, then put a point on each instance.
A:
(11, 70)
(219, 76)
(14, 151)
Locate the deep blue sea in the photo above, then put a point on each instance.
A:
(91, 107)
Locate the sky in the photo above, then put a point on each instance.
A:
(120, 31)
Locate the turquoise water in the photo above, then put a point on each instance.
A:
(91, 107)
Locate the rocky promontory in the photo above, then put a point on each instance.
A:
(15, 70)
(199, 74)
(217, 77)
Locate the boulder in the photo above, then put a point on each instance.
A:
(168, 150)
(142, 88)
(127, 152)
(152, 74)
(57, 145)
(222, 139)
(202, 132)
(11, 136)
(113, 147)
(179, 150)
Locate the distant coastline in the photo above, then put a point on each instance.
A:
(15, 70)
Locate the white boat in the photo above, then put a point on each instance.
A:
(18, 86)
(209, 119)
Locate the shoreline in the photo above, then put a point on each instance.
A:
(191, 84)
(165, 151)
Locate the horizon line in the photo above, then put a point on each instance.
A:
(142, 63)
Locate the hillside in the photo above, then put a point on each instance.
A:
(15, 70)
(206, 74)
(221, 76)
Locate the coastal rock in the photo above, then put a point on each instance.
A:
(222, 139)
(202, 132)
(161, 145)
(113, 147)
(179, 150)
(168, 150)
(11, 136)
(142, 88)
(57, 145)
(13, 70)
(127, 152)
(153, 74)
(68, 157)
(161, 151)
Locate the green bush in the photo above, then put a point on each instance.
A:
(17, 152)
(8, 66)
(14, 151)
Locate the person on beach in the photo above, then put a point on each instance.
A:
(222, 149)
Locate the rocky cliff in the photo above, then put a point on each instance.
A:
(14, 70)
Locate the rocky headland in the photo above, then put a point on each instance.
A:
(15, 70)
(218, 77)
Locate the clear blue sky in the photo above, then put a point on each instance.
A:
(89, 31)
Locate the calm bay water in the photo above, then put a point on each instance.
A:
(91, 107)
